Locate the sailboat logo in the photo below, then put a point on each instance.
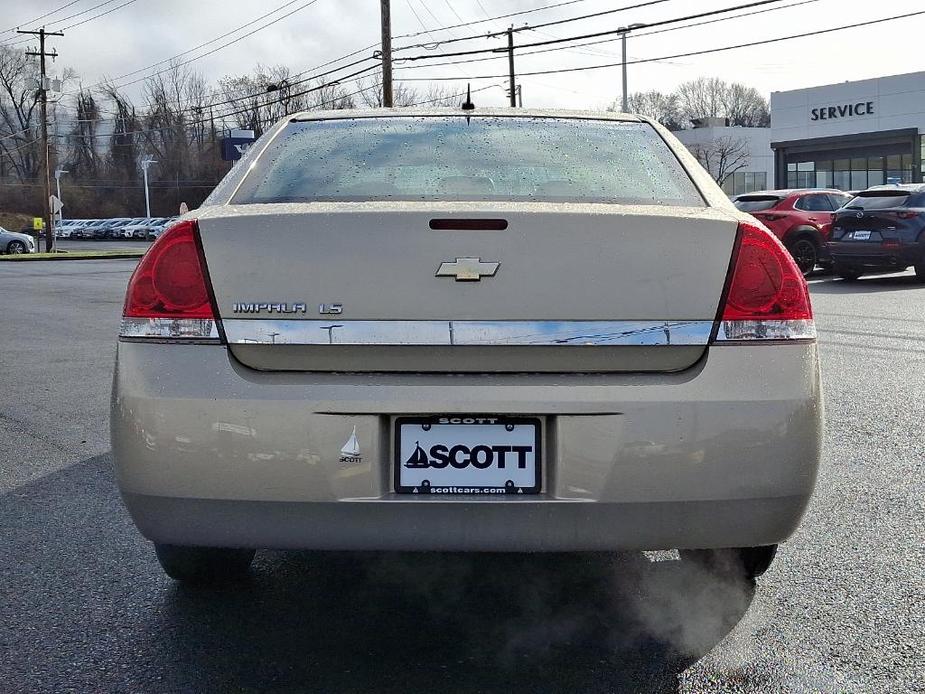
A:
(350, 453)
(419, 458)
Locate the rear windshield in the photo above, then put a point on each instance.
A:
(881, 202)
(486, 158)
(756, 204)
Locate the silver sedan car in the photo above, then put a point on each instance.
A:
(476, 330)
(15, 243)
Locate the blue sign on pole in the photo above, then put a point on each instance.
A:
(234, 147)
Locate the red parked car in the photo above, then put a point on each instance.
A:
(802, 219)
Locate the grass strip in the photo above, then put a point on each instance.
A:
(72, 255)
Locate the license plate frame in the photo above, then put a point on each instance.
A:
(453, 479)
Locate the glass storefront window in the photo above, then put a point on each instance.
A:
(894, 172)
(742, 182)
(824, 177)
(857, 173)
(843, 174)
(907, 168)
(875, 171)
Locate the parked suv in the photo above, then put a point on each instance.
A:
(802, 219)
(882, 229)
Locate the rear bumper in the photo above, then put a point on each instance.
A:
(512, 525)
(875, 256)
(724, 454)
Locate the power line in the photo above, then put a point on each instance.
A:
(609, 32)
(682, 55)
(101, 14)
(195, 48)
(433, 45)
(610, 40)
(490, 19)
(41, 16)
(218, 48)
(81, 13)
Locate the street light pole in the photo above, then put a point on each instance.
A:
(145, 163)
(623, 31)
(58, 174)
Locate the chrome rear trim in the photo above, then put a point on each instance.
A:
(169, 328)
(430, 332)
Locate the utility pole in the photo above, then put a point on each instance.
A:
(385, 11)
(510, 65)
(623, 32)
(43, 95)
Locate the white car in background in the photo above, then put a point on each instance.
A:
(15, 243)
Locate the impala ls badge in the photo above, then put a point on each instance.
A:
(467, 269)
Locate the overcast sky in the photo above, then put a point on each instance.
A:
(146, 31)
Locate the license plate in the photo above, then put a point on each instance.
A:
(467, 455)
(861, 236)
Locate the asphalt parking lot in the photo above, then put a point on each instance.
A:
(86, 608)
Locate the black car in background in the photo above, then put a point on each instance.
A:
(880, 230)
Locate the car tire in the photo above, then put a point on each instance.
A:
(204, 565)
(736, 563)
(16, 248)
(849, 274)
(805, 253)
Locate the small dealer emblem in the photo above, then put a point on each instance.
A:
(350, 453)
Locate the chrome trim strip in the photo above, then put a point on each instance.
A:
(432, 332)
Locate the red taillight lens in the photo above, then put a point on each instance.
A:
(767, 296)
(168, 295)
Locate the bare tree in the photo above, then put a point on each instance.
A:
(84, 153)
(710, 97)
(702, 98)
(440, 95)
(722, 157)
(19, 116)
(657, 105)
(125, 138)
(370, 89)
(744, 106)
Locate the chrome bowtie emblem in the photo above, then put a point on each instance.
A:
(467, 269)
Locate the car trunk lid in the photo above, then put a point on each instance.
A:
(381, 286)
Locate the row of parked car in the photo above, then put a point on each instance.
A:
(117, 228)
(880, 229)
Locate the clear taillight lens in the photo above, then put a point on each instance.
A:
(168, 296)
(767, 297)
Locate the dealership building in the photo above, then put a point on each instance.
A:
(848, 136)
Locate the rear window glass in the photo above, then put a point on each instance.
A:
(880, 202)
(756, 204)
(485, 158)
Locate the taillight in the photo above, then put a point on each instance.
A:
(769, 217)
(766, 297)
(168, 295)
